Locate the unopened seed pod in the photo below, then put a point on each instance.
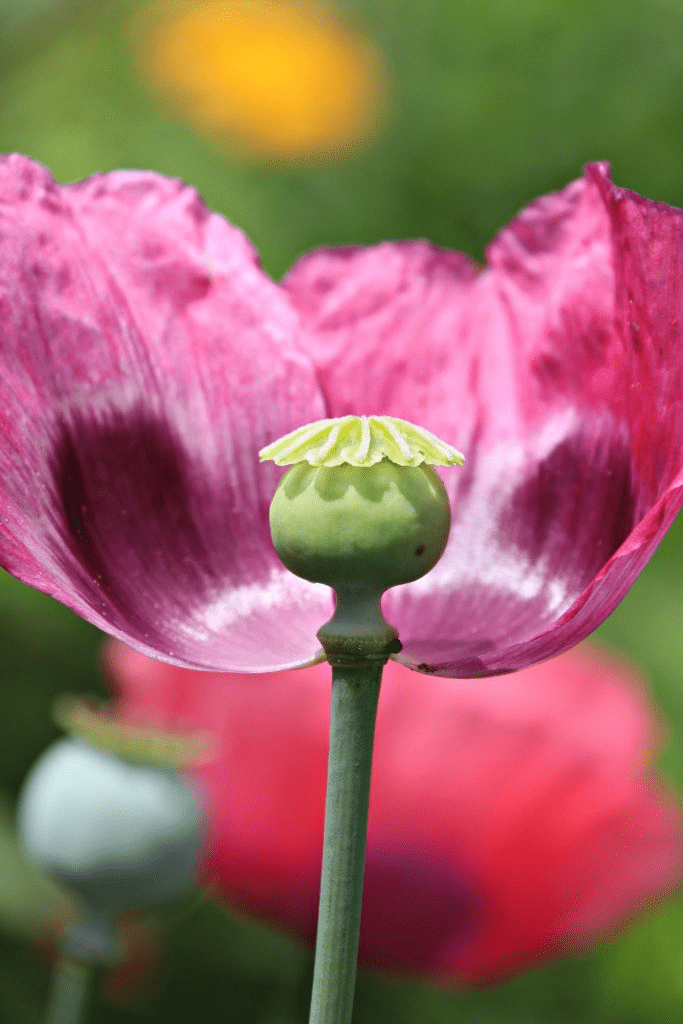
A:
(361, 504)
(120, 835)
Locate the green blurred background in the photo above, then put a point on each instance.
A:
(492, 104)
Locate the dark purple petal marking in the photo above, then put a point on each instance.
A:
(130, 525)
(518, 556)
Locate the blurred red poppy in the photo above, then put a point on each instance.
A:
(510, 821)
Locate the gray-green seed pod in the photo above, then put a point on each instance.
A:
(119, 835)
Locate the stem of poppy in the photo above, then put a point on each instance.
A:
(68, 992)
(355, 695)
(360, 526)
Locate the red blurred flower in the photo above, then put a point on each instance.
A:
(509, 821)
(145, 358)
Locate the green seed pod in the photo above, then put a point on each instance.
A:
(382, 525)
(120, 835)
(361, 510)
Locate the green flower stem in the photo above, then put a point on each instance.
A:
(355, 694)
(68, 992)
(361, 509)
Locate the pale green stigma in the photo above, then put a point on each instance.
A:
(361, 441)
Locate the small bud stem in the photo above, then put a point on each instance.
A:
(355, 694)
(68, 992)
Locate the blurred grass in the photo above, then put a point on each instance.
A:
(494, 104)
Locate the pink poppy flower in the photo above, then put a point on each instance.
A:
(145, 358)
(509, 821)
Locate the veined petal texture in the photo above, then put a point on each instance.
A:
(145, 359)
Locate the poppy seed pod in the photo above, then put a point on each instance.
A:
(382, 526)
(120, 835)
(361, 506)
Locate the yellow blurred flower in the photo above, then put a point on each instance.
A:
(280, 80)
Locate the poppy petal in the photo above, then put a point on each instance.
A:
(531, 369)
(145, 359)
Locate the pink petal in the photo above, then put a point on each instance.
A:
(145, 359)
(572, 457)
(509, 821)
